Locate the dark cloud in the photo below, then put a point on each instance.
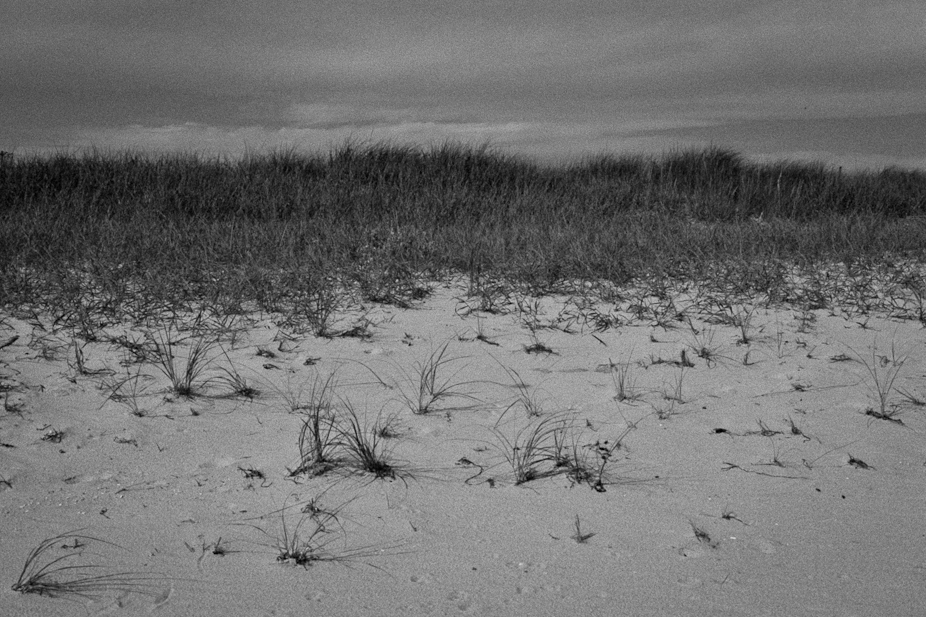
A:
(84, 71)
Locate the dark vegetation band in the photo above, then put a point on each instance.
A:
(187, 224)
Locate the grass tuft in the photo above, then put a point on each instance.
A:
(318, 436)
(533, 450)
(883, 371)
(185, 379)
(53, 569)
(430, 385)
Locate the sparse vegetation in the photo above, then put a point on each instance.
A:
(578, 536)
(185, 379)
(883, 371)
(430, 384)
(625, 387)
(318, 436)
(363, 444)
(531, 451)
(53, 568)
(126, 390)
(316, 536)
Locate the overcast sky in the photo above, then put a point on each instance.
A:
(834, 80)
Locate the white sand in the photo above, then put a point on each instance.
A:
(812, 535)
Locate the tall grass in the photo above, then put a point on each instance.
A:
(131, 231)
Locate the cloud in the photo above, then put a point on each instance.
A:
(587, 74)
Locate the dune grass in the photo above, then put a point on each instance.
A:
(98, 236)
(55, 568)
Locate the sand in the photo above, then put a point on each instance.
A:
(765, 489)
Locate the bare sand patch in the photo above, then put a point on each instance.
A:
(679, 469)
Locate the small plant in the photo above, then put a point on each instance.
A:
(362, 329)
(363, 445)
(318, 306)
(480, 335)
(537, 346)
(299, 548)
(312, 540)
(185, 381)
(675, 394)
(139, 350)
(667, 409)
(578, 536)
(79, 366)
(781, 349)
(126, 390)
(702, 343)
(883, 372)
(428, 386)
(485, 296)
(776, 455)
(605, 450)
(730, 515)
(624, 382)
(50, 570)
(532, 447)
(235, 381)
(529, 312)
(386, 427)
(701, 535)
(528, 400)
(739, 316)
(318, 436)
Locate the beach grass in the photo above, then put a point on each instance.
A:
(97, 236)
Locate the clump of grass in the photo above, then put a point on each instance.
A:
(532, 452)
(675, 394)
(235, 381)
(740, 316)
(625, 383)
(702, 343)
(185, 379)
(53, 569)
(300, 547)
(667, 409)
(580, 469)
(332, 438)
(430, 384)
(883, 372)
(363, 445)
(318, 436)
(528, 400)
(386, 427)
(312, 539)
(317, 301)
(126, 390)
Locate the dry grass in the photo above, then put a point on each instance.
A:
(54, 568)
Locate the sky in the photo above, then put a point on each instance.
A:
(836, 81)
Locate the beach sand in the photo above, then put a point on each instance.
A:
(750, 483)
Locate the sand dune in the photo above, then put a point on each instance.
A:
(747, 479)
